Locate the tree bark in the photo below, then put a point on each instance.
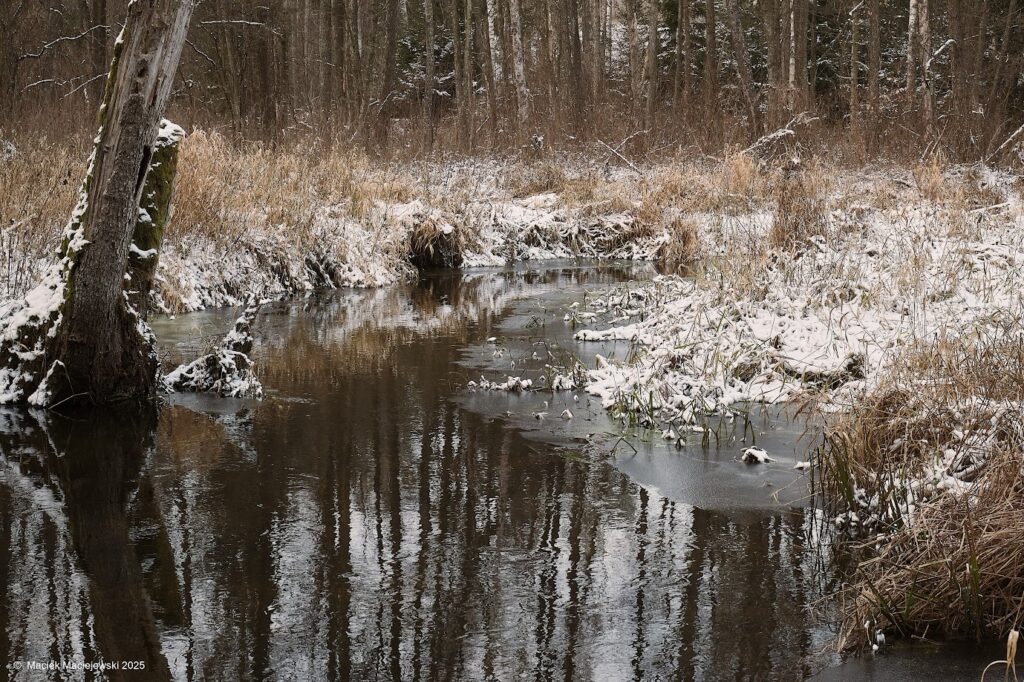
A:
(652, 63)
(874, 55)
(710, 56)
(466, 107)
(518, 63)
(429, 86)
(911, 50)
(773, 37)
(800, 23)
(99, 354)
(854, 70)
(925, 44)
(481, 13)
(147, 238)
(387, 83)
(634, 55)
(739, 48)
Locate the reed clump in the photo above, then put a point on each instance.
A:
(680, 251)
(927, 473)
(801, 209)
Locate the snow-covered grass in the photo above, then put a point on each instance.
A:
(892, 302)
(869, 267)
(927, 470)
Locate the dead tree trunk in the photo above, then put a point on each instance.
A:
(154, 212)
(99, 352)
(75, 338)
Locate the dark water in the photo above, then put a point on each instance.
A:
(372, 519)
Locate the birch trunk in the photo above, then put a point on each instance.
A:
(925, 43)
(912, 50)
(482, 12)
(518, 65)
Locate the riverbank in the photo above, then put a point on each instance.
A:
(892, 304)
(881, 296)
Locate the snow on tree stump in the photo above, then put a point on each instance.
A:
(29, 326)
(228, 371)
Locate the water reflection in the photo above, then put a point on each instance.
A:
(71, 569)
(361, 524)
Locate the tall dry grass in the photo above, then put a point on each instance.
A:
(39, 185)
(224, 190)
(232, 192)
(931, 462)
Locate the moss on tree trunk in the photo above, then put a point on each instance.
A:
(75, 338)
(154, 212)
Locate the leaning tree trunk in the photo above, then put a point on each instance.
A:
(75, 337)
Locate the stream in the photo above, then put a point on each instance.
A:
(374, 518)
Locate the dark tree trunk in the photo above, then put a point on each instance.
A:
(710, 56)
(97, 468)
(99, 354)
(429, 86)
(743, 70)
(387, 83)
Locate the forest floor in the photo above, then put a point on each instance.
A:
(887, 297)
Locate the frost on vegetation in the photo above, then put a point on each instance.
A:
(513, 384)
(228, 371)
(944, 453)
(765, 324)
(199, 270)
(28, 324)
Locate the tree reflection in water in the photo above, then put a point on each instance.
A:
(358, 525)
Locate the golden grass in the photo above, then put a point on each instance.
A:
(679, 254)
(954, 565)
(801, 208)
(223, 189)
(38, 189)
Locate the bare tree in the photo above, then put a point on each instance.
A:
(518, 62)
(710, 55)
(743, 71)
(91, 346)
(652, 62)
(874, 54)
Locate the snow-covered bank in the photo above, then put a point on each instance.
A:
(896, 311)
(198, 272)
(826, 316)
